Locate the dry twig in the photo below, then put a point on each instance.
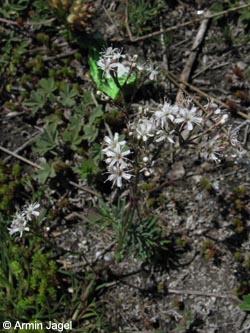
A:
(203, 293)
(175, 27)
(22, 147)
(20, 23)
(193, 55)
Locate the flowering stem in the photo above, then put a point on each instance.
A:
(130, 213)
(125, 104)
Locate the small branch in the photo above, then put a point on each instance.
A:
(132, 39)
(11, 22)
(202, 293)
(60, 56)
(19, 157)
(19, 149)
(110, 18)
(84, 188)
(185, 75)
(209, 66)
(3, 20)
(40, 22)
(181, 25)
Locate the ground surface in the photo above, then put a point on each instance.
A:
(194, 286)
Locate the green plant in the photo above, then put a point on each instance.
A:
(245, 306)
(11, 185)
(243, 13)
(144, 15)
(48, 140)
(75, 13)
(33, 288)
(72, 133)
(209, 250)
(42, 95)
(14, 8)
(77, 134)
(134, 236)
(47, 171)
(28, 280)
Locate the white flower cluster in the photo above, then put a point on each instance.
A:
(22, 218)
(164, 121)
(117, 162)
(219, 116)
(109, 62)
(211, 150)
(114, 62)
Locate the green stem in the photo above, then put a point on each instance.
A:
(131, 209)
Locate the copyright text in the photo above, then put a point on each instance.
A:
(59, 327)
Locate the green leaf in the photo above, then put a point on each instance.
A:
(67, 96)
(36, 101)
(48, 85)
(246, 305)
(87, 98)
(95, 113)
(48, 140)
(216, 7)
(46, 172)
(88, 167)
(90, 132)
(95, 151)
(71, 134)
(52, 118)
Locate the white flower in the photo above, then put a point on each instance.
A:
(188, 116)
(109, 62)
(18, 225)
(211, 106)
(153, 72)
(117, 156)
(167, 111)
(121, 70)
(114, 54)
(211, 151)
(145, 129)
(162, 135)
(224, 119)
(113, 142)
(117, 173)
(116, 152)
(140, 67)
(211, 156)
(107, 66)
(22, 218)
(31, 210)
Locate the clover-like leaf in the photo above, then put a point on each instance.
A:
(67, 96)
(36, 101)
(46, 172)
(48, 85)
(246, 305)
(48, 140)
